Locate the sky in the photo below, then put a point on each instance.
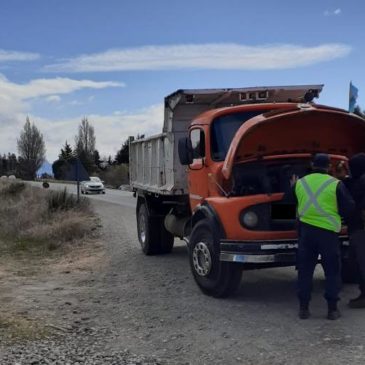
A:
(113, 61)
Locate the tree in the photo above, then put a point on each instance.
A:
(9, 164)
(85, 145)
(85, 139)
(97, 158)
(122, 155)
(57, 169)
(3, 165)
(61, 166)
(12, 163)
(31, 150)
(66, 152)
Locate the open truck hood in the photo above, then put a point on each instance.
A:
(304, 129)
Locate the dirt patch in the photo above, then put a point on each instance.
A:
(33, 285)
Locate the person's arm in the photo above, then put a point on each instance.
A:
(341, 171)
(346, 204)
(289, 195)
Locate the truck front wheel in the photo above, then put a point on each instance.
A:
(214, 278)
(152, 235)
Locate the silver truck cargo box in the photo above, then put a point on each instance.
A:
(152, 167)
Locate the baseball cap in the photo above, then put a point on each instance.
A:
(321, 161)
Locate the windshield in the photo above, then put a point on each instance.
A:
(94, 179)
(224, 128)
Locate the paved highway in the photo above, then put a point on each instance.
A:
(115, 196)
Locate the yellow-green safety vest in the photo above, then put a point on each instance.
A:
(317, 201)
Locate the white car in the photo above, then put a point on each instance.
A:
(94, 185)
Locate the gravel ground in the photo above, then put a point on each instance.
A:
(83, 345)
(133, 309)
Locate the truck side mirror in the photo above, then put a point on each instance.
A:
(185, 150)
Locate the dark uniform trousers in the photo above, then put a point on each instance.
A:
(312, 242)
(357, 249)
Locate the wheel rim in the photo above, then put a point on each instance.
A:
(142, 228)
(202, 259)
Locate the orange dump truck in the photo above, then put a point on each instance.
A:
(217, 174)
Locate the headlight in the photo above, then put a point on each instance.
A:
(249, 219)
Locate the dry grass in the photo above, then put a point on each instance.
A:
(42, 233)
(33, 219)
(16, 327)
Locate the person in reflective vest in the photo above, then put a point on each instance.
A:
(321, 202)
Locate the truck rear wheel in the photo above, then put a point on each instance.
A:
(152, 234)
(214, 278)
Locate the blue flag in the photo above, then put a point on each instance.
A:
(352, 97)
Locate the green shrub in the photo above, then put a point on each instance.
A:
(115, 175)
(62, 200)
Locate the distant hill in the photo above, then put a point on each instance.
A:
(46, 168)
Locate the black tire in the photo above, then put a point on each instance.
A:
(214, 278)
(152, 235)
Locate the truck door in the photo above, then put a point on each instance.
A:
(198, 181)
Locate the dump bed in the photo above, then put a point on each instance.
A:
(154, 163)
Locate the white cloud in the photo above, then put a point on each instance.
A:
(53, 99)
(110, 130)
(15, 98)
(6, 56)
(203, 56)
(43, 87)
(335, 12)
(76, 102)
(15, 105)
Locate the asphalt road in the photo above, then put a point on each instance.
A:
(154, 307)
(115, 196)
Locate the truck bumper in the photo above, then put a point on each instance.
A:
(282, 252)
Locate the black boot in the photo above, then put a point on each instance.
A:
(304, 311)
(333, 312)
(358, 302)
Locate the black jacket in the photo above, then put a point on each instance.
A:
(356, 187)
